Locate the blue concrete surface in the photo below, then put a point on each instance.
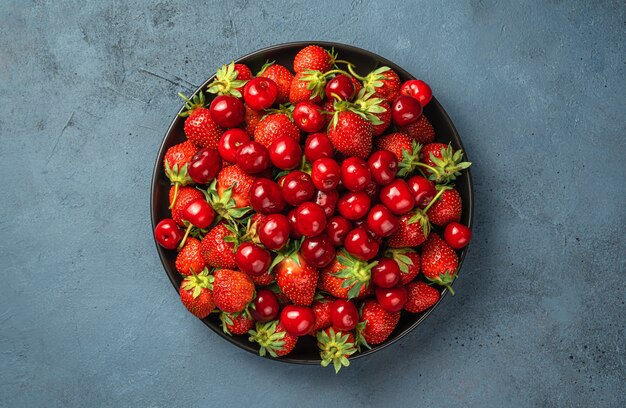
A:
(536, 89)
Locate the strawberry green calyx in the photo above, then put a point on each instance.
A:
(368, 106)
(286, 109)
(265, 66)
(420, 217)
(267, 338)
(445, 279)
(178, 176)
(226, 82)
(440, 190)
(197, 101)
(197, 282)
(410, 160)
(360, 340)
(225, 206)
(399, 255)
(372, 80)
(449, 167)
(316, 82)
(334, 347)
(290, 251)
(356, 273)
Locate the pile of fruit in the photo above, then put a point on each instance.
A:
(299, 202)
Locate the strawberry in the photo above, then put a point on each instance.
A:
(176, 160)
(412, 231)
(421, 297)
(409, 262)
(180, 197)
(217, 247)
(376, 324)
(384, 82)
(236, 323)
(446, 209)
(230, 80)
(313, 57)
(357, 85)
(190, 259)
(272, 339)
(195, 293)
(346, 277)
(232, 290)
(282, 76)
(321, 309)
(442, 163)
(439, 262)
(335, 347)
(252, 119)
(240, 181)
(351, 134)
(307, 86)
(384, 117)
(263, 280)
(274, 126)
(395, 143)
(243, 73)
(199, 127)
(421, 130)
(296, 279)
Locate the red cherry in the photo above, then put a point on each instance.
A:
(344, 315)
(266, 196)
(311, 219)
(386, 273)
(326, 174)
(204, 165)
(457, 235)
(274, 231)
(199, 213)
(294, 233)
(405, 110)
(423, 190)
(253, 157)
(227, 111)
(340, 86)
(397, 196)
(308, 116)
(285, 153)
(297, 320)
(372, 190)
(354, 205)
(383, 165)
(260, 93)
(355, 174)
(381, 221)
(337, 230)
(168, 234)
(252, 259)
(360, 244)
(266, 306)
(297, 187)
(318, 145)
(418, 89)
(392, 299)
(327, 200)
(317, 251)
(230, 142)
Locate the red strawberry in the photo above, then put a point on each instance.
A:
(412, 231)
(384, 117)
(217, 250)
(313, 57)
(384, 82)
(196, 295)
(199, 127)
(446, 209)
(183, 196)
(296, 279)
(263, 280)
(282, 76)
(307, 86)
(446, 164)
(346, 277)
(272, 339)
(395, 143)
(409, 262)
(421, 297)
(335, 347)
(321, 309)
(376, 323)
(176, 160)
(351, 134)
(232, 290)
(230, 80)
(252, 119)
(357, 85)
(236, 323)
(243, 72)
(274, 126)
(439, 262)
(233, 176)
(421, 130)
(190, 259)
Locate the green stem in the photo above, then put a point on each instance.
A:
(182, 241)
(338, 61)
(335, 71)
(354, 74)
(175, 195)
(433, 200)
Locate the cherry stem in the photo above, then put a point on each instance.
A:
(175, 195)
(434, 170)
(182, 241)
(433, 200)
(450, 289)
(335, 71)
(354, 74)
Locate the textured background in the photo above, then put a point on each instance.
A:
(536, 89)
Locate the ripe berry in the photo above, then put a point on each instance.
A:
(418, 89)
(274, 231)
(285, 153)
(383, 165)
(340, 86)
(392, 299)
(311, 219)
(260, 93)
(297, 320)
(266, 196)
(355, 174)
(308, 116)
(354, 205)
(397, 197)
(230, 142)
(252, 259)
(327, 200)
(337, 230)
(266, 306)
(227, 111)
(199, 213)
(381, 221)
(253, 157)
(326, 174)
(318, 145)
(457, 235)
(405, 110)
(317, 251)
(360, 244)
(386, 273)
(297, 187)
(423, 190)
(168, 234)
(204, 165)
(344, 315)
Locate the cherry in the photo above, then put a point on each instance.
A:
(311, 219)
(327, 200)
(372, 190)
(355, 174)
(297, 187)
(227, 111)
(344, 315)
(337, 229)
(199, 213)
(457, 235)
(168, 234)
(252, 259)
(423, 190)
(383, 165)
(326, 174)
(386, 273)
(392, 299)
(274, 231)
(308, 116)
(340, 86)
(297, 320)
(294, 233)
(405, 110)
(253, 157)
(204, 165)
(266, 196)
(285, 153)
(418, 89)
(381, 221)
(317, 251)
(354, 205)
(397, 196)
(360, 244)
(260, 93)
(266, 306)
(229, 143)
(318, 145)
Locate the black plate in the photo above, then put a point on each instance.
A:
(306, 351)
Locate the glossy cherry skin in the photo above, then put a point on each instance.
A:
(253, 157)
(285, 153)
(344, 315)
(297, 187)
(252, 259)
(317, 251)
(227, 111)
(308, 116)
(266, 306)
(266, 196)
(423, 190)
(355, 174)
(326, 174)
(457, 235)
(274, 231)
(311, 219)
(294, 233)
(386, 274)
(354, 205)
(405, 110)
(318, 145)
(360, 244)
(397, 196)
(199, 213)
(230, 142)
(260, 93)
(383, 166)
(381, 221)
(340, 86)
(418, 89)
(337, 230)
(327, 200)
(297, 320)
(168, 234)
(204, 165)
(392, 299)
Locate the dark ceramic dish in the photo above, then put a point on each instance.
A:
(306, 351)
